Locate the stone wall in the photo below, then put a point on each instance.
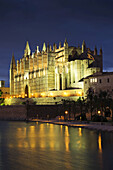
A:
(13, 112)
(40, 100)
(44, 111)
(23, 112)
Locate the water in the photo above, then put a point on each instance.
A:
(30, 146)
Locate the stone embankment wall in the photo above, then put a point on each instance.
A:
(44, 111)
(23, 112)
(13, 112)
(38, 101)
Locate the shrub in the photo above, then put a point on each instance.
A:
(97, 118)
(23, 103)
(2, 104)
(81, 117)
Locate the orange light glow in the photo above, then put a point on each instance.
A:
(99, 143)
(79, 93)
(65, 94)
(66, 112)
(51, 94)
(80, 131)
(43, 94)
(99, 112)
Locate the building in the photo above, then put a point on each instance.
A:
(5, 90)
(99, 82)
(53, 72)
(2, 83)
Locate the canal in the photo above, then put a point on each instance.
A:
(43, 146)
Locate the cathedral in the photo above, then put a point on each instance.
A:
(53, 71)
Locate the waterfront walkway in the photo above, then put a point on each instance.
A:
(103, 126)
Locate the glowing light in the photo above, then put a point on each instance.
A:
(79, 93)
(51, 94)
(99, 143)
(56, 70)
(65, 94)
(80, 131)
(67, 140)
(43, 94)
(66, 112)
(99, 112)
(44, 72)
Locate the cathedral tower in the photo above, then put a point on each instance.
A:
(27, 50)
(12, 74)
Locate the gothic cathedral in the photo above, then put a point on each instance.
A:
(52, 71)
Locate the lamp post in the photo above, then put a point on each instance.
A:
(66, 112)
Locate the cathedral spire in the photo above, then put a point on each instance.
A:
(83, 46)
(95, 51)
(100, 53)
(65, 43)
(44, 47)
(13, 64)
(27, 50)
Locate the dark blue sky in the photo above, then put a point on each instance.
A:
(51, 21)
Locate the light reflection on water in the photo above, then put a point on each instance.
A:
(47, 146)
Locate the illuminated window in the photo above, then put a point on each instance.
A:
(91, 80)
(30, 75)
(56, 70)
(39, 73)
(95, 80)
(34, 74)
(44, 72)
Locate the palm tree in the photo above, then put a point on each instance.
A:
(81, 102)
(1, 92)
(90, 100)
(104, 100)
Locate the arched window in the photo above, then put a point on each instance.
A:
(26, 92)
(82, 71)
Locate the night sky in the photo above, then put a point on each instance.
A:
(53, 21)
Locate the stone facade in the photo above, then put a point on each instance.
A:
(99, 82)
(53, 70)
(5, 90)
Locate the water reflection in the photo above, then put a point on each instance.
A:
(99, 142)
(67, 140)
(80, 131)
(41, 146)
(100, 149)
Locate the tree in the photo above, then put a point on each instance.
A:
(1, 99)
(104, 100)
(98, 101)
(1, 92)
(81, 103)
(69, 106)
(90, 99)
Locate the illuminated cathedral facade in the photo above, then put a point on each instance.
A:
(53, 71)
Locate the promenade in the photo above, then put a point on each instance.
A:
(102, 126)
